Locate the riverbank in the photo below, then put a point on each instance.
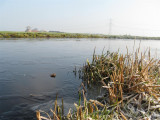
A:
(10, 34)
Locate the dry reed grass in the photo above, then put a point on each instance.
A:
(131, 79)
(132, 84)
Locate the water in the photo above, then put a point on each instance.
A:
(26, 65)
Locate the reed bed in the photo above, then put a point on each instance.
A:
(132, 84)
(131, 81)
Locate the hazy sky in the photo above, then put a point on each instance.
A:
(134, 17)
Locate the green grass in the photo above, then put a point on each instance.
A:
(11, 34)
(46, 35)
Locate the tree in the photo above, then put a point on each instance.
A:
(28, 29)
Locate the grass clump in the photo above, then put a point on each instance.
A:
(132, 84)
(130, 80)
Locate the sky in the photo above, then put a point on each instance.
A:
(117, 17)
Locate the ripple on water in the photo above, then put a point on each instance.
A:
(3, 80)
(3, 71)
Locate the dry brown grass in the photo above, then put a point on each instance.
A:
(132, 84)
(131, 78)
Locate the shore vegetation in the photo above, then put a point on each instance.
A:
(10, 34)
(132, 89)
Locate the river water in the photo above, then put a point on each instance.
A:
(26, 65)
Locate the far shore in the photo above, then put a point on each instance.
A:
(10, 34)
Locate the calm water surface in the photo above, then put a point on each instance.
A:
(26, 65)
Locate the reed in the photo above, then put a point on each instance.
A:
(130, 79)
(132, 84)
